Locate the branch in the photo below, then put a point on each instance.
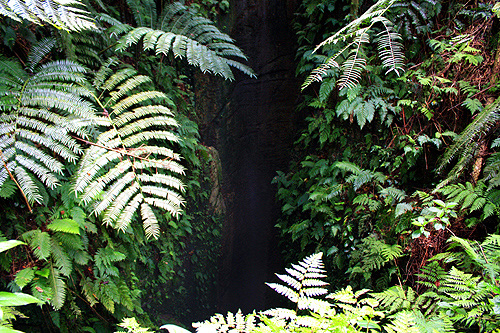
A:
(15, 181)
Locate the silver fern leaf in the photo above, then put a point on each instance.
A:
(131, 168)
(41, 112)
(303, 282)
(61, 14)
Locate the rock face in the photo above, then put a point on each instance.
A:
(253, 125)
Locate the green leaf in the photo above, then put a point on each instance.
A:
(65, 225)
(43, 272)
(8, 188)
(7, 245)
(25, 276)
(4, 329)
(39, 242)
(16, 299)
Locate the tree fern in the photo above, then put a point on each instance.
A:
(40, 114)
(182, 32)
(61, 14)
(130, 169)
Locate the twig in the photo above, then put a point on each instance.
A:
(15, 181)
(121, 151)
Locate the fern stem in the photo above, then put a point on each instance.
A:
(15, 181)
(123, 152)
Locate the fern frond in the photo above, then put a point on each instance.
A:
(466, 143)
(353, 66)
(40, 242)
(58, 287)
(131, 169)
(64, 15)
(49, 108)
(61, 258)
(39, 51)
(403, 321)
(390, 48)
(64, 225)
(353, 36)
(209, 58)
(303, 281)
(188, 36)
(396, 298)
(232, 322)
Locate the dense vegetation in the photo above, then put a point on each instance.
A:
(103, 173)
(394, 183)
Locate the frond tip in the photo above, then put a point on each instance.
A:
(303, 282)
(189, 36)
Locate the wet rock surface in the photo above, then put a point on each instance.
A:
(254, 131)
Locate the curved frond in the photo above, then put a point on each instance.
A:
(186, 35)
(304, 281)
(39, 51)
(351, 38)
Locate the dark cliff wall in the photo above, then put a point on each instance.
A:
(253, 124)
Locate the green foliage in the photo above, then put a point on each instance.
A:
(371, 256)
(437, 215)
(132, 326)
(397, 309)
(414, 17)
(124, 171)
(466, 145)
(61, 14)
(40, 114)
(9, 300)
(352, 37)
(473, 198)
(181, 31)
(363, 104)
